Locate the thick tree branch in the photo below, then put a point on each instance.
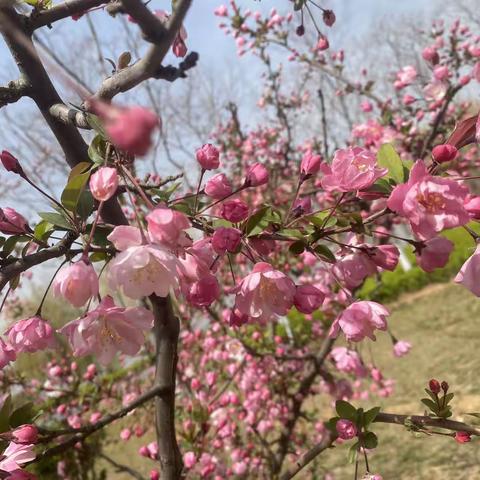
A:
(149, 65)
(166, 331)
(152, 28)
(58, 12)
(69, 116)
(22, 264)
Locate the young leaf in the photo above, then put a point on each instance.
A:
(346, 410)
(55, 219)
(352, 453)
(431, 405)
(370, 440)
(73, 190)
(370, 415)
(388, 158)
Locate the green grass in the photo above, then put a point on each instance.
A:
(442, 323)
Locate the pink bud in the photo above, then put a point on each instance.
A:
(208, 157)
(463, 437)
(11, 222)
(323, 43)
(204, 291)
(310, 164)
(430, 54)
(10, 163)
(444, 153)
(308, 298)
(189, 460)
(125, 434)
(143, 451)
(218, 186)
(257, 175)
(434, 385)
(408, 99)
(346, 429)
(472, 206)
(154, 475)
(441, 72)
(26, 434)
(234, 211)
(104, 183)
(31, 335)
(226, 239)
(366, 106)
(329, 17)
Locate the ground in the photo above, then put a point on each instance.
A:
(442, 323)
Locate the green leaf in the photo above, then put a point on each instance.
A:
(297, 247)
(319, 220)
(370, 440)
(85, 205)
(352, 453)
(96, 125)
(388, 158)
(431, 405)
(292, 233)
(11, 243)
(325, 253)
(258, 222)
(449, 398)
(56, 219)
(346, 410)
(369, 416)
(73, 190)
(42, 230)
(80, 168)
(5, 413)
(22, 415)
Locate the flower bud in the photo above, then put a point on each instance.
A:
(300, 30)
(11, 222)
(444, 386)
(346, 429)
(104, 183)
(234, 211)
(26, 434)
(257, 175)
(328, 17)
(323, 43)
(218, 186)
(10, 163)
(434, 385)
(310, 164)
(463, 437)
(208, 157)
(226, 239)
(444, 153)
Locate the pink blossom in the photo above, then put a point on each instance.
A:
(322, 43)
(463, 437)
(141, 270)
(179, 47)
(234, 211)
(108, 329)
(359, 320)
(401, 348)
(384, 256)
(240, 468)
(444, 153)
(352, 269)
(476, 72)
(434, 253)
(26, 434)
(129, 128)
(15, 456)
(470, 273)
(203, 292)
(236, 319)
(435, 91)
(441, 72)
(366, 106)
(431, 204)
(310, 164)
(308, 298)
(11, 222)
(257, 175)
(77, 283)
(472, 206)
(7, 354)
(226, 239)
(352, 169)
(167, 227)
(348, 361)
(189, 460)
(218, 186)
(30, 335)
(104, 183)
(264, 293)
(346, 429)
(406, 76)
(125, 434)
(208, 157)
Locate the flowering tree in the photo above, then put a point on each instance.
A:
(227, 311)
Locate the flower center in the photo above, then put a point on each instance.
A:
(431, 201)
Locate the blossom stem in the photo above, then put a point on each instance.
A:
(221, 200)
(202, 173)
(332, 211)
(140, 190)
(94, 225)
(294, 199)
(5, 298)
(39, 309)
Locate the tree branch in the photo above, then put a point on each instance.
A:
(14, 91)
(22, 264)
(148, 66)
(120, 468)
(166, 331)
(58, 12)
